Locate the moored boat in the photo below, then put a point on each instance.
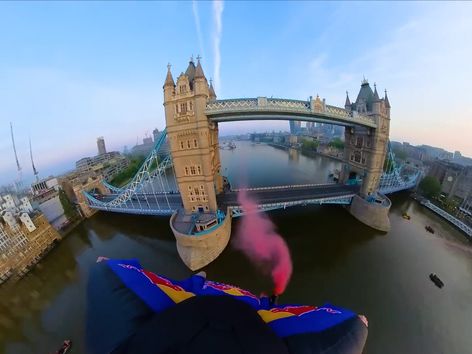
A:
(435, 279)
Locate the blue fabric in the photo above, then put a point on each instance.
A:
(316, 320)
(129, 273)
(214, 288)
(301, 319)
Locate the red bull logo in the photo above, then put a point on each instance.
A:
(229, 289)
(295, 310)
(328, 310)
(157, 280)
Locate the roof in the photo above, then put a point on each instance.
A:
(190, 72)
(169, 78)
(376, 94)
(212, 90)
(365, 95)
(199, 71)
(387, 103)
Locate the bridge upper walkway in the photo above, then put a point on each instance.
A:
(263, 108)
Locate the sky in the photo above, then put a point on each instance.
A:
(73, 71)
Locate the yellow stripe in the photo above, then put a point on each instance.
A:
(269, 316)
(176, 295)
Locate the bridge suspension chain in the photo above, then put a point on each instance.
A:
(150, 181)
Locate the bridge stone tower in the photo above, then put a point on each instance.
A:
(193, 139)
(364, 153)
(366, 148)
(201, 230)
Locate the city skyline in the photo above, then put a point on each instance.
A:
(106, 74)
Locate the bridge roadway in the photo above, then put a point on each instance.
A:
(161, 204)
(289, 194)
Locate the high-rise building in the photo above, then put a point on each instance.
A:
(101, 145)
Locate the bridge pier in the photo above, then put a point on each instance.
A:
(372, 211)
(198, 249)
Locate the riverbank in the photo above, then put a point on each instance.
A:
(467, 230)
(41, 243)
(31, 244)
(69, 228)
(305, 152)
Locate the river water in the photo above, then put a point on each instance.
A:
(336, 259)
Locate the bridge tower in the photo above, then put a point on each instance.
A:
(364, 153)
(193, 139)
(202, 231)
(366, 148)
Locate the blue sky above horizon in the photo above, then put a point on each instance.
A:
(72, 71)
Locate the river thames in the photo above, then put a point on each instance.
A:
(336, 259)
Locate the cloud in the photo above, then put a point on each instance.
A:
(423, 62)
(198, 27)
(218, 22)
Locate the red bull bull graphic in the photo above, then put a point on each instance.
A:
(215, 288)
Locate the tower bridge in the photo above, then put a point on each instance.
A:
(201, 202)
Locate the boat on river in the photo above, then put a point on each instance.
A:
(429, 229)
(435, 279)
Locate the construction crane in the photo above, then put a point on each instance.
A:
(36, 174)
(18, 183)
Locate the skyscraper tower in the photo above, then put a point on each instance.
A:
(101, 145)
(19, 181)
(36, 174)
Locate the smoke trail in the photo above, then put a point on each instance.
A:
(196, 18)
(260, 242)
(218, 18)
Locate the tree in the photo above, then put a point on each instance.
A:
(69, 210)
(308, 145)
(337, 144)
(124, 176)
(430, 186)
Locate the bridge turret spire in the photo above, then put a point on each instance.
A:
(347, 105)
(376, 94)
(211, 90)
(387, 103)
(199, 70)
(169, 79)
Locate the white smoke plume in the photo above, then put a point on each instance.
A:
(218, 23)
(196, 18)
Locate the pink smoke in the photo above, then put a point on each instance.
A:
(260, 242)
